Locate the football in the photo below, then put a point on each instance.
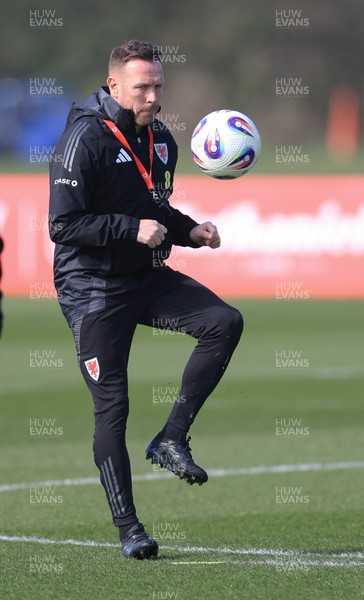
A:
(225, 144)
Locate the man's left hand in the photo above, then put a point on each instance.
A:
(206, 234)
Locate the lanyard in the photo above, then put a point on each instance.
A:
(147, 177)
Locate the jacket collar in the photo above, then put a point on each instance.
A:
(122, 117)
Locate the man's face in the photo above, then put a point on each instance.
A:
(138, 85)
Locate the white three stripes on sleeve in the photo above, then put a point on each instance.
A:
(72, 144)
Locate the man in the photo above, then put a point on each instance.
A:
(112, 223)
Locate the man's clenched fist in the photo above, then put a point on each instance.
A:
(151, 233)
(206, 234)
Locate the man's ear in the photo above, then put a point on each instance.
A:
(112, 86)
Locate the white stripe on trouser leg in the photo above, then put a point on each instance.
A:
(109, 489)
(116, 485)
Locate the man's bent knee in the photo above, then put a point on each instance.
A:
(233, 323)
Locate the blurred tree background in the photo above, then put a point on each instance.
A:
(222, 55)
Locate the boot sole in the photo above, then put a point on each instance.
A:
(149, 552)
(190, 478)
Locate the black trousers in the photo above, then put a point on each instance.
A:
(164, 299)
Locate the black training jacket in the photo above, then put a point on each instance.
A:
(97, 195)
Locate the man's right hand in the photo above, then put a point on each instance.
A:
(151, 233)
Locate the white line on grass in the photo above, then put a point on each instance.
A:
(298, 565)
(197, 562)
(260, 470)
(266, 552)
(69, 542)
(298, 559)
(295, 565)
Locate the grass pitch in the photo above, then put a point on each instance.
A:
(282, 438)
